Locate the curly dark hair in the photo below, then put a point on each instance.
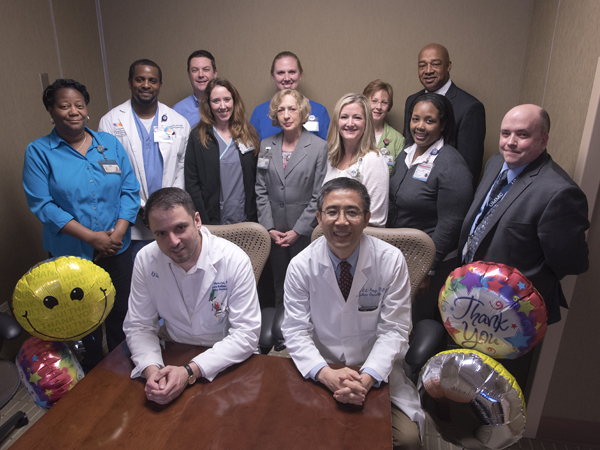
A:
(49, 95)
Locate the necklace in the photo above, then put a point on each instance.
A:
(84, 140)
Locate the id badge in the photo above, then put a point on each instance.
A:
(389, 160)
(109, 166)
(119, 130)
(163, 135)
(263, 160)
(244, 149)
(422, 172)
(312, 124)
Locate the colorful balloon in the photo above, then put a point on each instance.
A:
(63, 299)
(48, 370)
(473, 400)
(494, 309)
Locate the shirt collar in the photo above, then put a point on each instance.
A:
(56, 140)
(196, 101)
(512, 173)
(443, 90)
(352, 259)
(425, 157)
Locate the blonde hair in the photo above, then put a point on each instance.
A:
(301, 101)
(367, 140)
(241, 130)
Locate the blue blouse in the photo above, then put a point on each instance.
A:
(61, 185)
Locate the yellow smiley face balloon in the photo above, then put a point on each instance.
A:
(63, 299)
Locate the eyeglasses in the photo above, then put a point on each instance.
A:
(350, 214)
(382, 103)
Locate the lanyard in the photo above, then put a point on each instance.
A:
(494, 201)
(228, 144)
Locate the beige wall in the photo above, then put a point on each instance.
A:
(27, 50)
(569, 65)
(343, 45)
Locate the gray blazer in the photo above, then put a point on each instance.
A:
(287, 199)
(539, 227)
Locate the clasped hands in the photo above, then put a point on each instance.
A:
(347, 385)
(166, 384)
(284, 239)
(108, 243)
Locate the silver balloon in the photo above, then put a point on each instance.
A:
(472, 400)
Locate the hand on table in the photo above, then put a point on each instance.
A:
(355, 389)
(165, 385)
(345, 383)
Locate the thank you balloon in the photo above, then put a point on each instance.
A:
(493, 308)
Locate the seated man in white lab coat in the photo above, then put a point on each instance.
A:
(347, 301)
(204, 288)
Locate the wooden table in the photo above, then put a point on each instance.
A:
(263, 403)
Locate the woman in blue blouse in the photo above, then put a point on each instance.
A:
(80, 184)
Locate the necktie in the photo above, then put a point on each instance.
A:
(345, 281)
(498, 186)
(484, 219)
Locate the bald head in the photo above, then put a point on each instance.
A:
(434, 66)
(523, 134)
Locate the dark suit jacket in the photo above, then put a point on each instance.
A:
(538, 227)
(287, 199)
(203, 178)
(469, 114)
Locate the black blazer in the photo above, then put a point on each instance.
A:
(469, 115)
(538, 227)
(203, 178)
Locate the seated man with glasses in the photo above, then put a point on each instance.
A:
(347, 301)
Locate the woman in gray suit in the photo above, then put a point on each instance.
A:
(291, 168)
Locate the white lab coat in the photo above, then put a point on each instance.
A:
(154, 291)
(320, 327)
(120, 123)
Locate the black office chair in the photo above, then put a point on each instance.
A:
(9, 377)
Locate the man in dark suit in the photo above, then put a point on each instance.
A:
(469, 113)
(535, 217)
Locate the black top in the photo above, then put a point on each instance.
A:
(437, 206)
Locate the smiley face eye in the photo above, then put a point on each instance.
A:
(50, 302)
(77, 294)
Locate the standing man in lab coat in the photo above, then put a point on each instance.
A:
(154, 137)
(201, 285)
(347, 301)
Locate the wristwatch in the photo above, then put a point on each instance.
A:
(191, 376)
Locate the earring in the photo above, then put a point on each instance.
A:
(87, 119)
(52, 121)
